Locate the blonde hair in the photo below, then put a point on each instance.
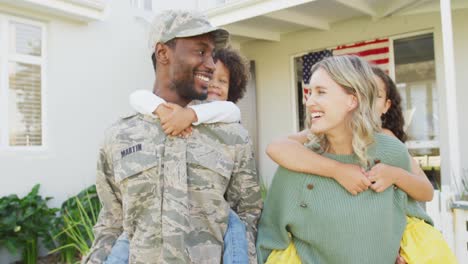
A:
(356, 77)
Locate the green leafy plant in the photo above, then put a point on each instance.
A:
(23, 221)
(72, 234)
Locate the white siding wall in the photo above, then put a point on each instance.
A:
(91, 70)
(274, 79)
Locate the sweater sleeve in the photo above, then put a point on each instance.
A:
(217, 111)
(145, 102)
(272, 232)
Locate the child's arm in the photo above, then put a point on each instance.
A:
(207, 113)
(414, 183)
(176, 119)
(216, 112)
(145, 102)
(293, 155)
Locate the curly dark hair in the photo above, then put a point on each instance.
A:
(392, 120)
(239, 72)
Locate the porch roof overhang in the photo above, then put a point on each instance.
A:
(269, 19)
(77, 10)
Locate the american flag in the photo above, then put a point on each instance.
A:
(373, 51)
(308, 61)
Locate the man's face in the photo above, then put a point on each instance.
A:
(192, 66)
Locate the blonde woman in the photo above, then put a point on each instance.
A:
(327, 223)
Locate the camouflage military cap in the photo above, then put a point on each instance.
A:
(182, 24)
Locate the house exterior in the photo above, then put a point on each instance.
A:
(426, 57)
(74, 64)
(68, 66)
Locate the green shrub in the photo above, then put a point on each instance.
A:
(72, 232)
(23, 221)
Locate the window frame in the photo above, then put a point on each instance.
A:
(7, 56)
(416, 144)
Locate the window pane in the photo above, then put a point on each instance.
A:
(148, 5)
(25, 39)
(416, 82)
(25, 118)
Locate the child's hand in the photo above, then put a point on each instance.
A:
(382, 176)
(186, 132)
(176, 120)
(352, 178)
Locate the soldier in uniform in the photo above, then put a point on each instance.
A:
(172, 195)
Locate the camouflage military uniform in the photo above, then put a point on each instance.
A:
(172, 195)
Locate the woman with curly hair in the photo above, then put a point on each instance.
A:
(322, 215)
(226, 87)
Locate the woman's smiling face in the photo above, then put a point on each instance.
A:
(329, 105)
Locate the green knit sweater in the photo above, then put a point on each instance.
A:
(331, 226)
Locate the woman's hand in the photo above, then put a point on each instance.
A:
(176, 120)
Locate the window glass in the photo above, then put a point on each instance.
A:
(24, 109)
(416, 82)
(25, 39)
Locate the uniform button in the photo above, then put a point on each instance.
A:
(303, 205)
(394, 187)
(310, 186)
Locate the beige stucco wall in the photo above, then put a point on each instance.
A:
(276, 97)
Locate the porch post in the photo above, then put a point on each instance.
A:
(451, 91)
(452, 119)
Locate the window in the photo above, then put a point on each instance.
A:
(21, 82)
(146, 5)
(416, 82)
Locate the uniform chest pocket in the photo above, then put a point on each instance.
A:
(210, 159)
(137, 175)
(147, 159)
(210, 172)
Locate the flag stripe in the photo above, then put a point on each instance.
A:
(378, 62)
(361, 48)
(360, 44)
(371, 52)
(375, 51)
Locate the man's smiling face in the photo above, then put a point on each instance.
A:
(192, 66)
